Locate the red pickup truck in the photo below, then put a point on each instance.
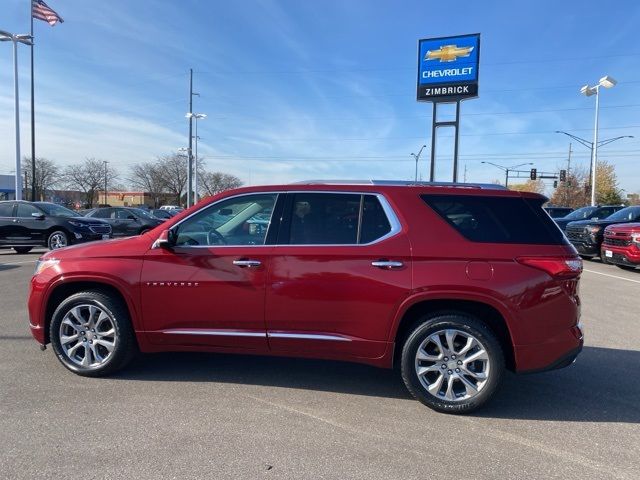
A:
(621, 245)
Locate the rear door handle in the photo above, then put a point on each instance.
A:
(387, 264)
(247, 263)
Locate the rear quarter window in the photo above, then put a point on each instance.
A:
(489, 219)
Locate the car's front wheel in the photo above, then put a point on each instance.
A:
(57, 239)
(452, 363)
(91, 334)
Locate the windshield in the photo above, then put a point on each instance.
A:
(57, 210)
(625, 215)
(580, 214)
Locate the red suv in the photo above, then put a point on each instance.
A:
(454, 283)
(621, 245)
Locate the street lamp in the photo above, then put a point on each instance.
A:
(507, 170)
(25, 39)
(417, 157)
(590, 146)
(606, 82)
(197, 116)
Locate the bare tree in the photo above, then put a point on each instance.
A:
(173, 172)
(149, 178)
(47, 174)
(216, 182)
(89, 177)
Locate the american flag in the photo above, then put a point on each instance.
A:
(42, 11)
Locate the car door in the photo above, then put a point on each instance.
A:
(341, 267)
(209, 288)
(124, 222)
(30, 230)
(7, 222)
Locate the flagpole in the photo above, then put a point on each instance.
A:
(33, 115)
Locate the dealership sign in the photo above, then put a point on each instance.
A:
(448, 68)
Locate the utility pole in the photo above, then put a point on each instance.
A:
(190, 151)
(568, 182)
(105, 181)
(465, 173)
(33, 117)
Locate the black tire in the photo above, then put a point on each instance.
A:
(466, 325)
(58, 239)
(628, 268)
(22, 250)
(124, 342)
(585, 257)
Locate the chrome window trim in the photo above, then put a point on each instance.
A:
(394, 222)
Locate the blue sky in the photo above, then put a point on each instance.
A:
(297, 90)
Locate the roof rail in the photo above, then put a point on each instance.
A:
(486, 186)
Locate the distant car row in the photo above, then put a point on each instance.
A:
(24, 225)
(611, 232)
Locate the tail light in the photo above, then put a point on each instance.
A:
(557, 267)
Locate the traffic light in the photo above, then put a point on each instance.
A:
(534, 174)
(563, 175)
(555, 184)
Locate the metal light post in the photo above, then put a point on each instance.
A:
(606, 82)
(593, 147)
(417, 157)
(26, 39)
(507, 170)
(196, 116)
(105, 181)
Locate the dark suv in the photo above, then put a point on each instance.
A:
(587, 235)
(126, 221)
(454, 283)
(587, 213)
(24, 225)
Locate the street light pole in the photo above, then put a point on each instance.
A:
(417, 157)
(26, 39)
(507, 170)
(606, 82)
(196, 116)
(593, 146)
(105, 181)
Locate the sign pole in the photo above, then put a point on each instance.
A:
(432, 172)
(455, 147)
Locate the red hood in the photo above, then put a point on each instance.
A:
(624, 228)
(119, 247)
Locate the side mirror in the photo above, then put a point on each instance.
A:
(38, 216)
(166, 240)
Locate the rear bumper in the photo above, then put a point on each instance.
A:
(557, 352)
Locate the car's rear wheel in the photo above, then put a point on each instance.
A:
(57, 239)
(452, 363)
(91, 334)
(22, 250)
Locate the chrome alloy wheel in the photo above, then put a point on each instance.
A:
(57, 240)
(452, 365)
(87, 335)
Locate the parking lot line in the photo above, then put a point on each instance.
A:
(612, 276)
(18, 263)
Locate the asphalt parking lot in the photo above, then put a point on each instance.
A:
(214, 416)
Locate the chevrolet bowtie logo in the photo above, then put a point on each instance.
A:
(448, 53)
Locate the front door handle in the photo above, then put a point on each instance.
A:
(247, 263)
(387, 264)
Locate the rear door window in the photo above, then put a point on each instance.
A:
(334, 219)
(25, 210)
(6, 209)
(497, 219)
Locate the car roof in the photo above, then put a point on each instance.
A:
(381, 186)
